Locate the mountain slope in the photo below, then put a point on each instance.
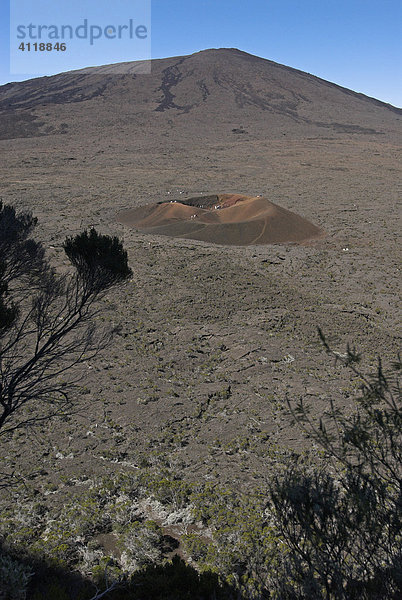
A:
(223, 90)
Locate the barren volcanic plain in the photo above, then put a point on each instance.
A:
(216, 333)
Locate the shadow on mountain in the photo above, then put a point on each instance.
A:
(174, 580)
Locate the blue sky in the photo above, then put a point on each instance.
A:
(355, 43)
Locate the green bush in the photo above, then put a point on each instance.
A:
(100, 259)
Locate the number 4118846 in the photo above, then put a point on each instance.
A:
(42, 47)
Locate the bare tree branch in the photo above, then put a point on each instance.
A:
(49, 329)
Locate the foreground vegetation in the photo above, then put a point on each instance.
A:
(326, 524)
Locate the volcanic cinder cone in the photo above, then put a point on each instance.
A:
(229, 219)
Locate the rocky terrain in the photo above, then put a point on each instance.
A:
(214, 338)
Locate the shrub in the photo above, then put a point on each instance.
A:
(47, 320)
(14, 578)
(342, 521)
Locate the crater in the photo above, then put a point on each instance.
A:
(226, 219)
